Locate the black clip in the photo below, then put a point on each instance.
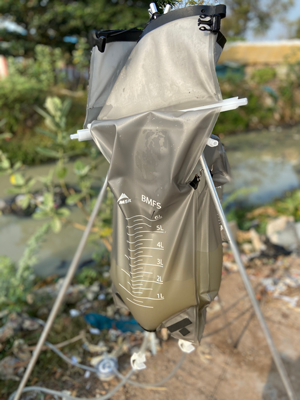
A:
(101, 43)
(210, 23)
(195, 182)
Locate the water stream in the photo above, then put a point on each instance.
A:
(267, 160)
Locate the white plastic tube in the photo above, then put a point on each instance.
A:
(82, 135)
(226, 105)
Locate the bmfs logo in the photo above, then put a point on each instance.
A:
(123, 199)
(151, 202)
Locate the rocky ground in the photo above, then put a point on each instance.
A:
(233, 360)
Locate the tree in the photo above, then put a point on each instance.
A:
(50, 22)
(256, 15)
(294, 29)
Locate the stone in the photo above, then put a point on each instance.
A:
(110, 311)
(257, 244)
(9, 367)
(283, 231)
(13, 325)
(243, 236)
(3, 205)
(20, 350)
(247, 248)
(30, 324)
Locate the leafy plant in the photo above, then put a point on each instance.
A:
(17, 282)
(47, 209)
(5, 164)
(86, 276)
(27, 84)
(250, 216)
(103, 226)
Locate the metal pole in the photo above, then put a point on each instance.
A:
(277, 360)
(61, 294)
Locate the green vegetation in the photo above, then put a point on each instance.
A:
(271, 100)
(16, 283)
(264, 75)
(49, 22)
(248, 217)
(27, 85)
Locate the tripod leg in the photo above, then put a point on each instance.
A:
(277, 360)
(61, 294)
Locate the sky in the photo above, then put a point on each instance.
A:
(278, 30)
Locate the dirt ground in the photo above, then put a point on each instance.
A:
(233, 361)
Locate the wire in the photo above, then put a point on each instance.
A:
(68, 360)
(124, 379)
(68, 397)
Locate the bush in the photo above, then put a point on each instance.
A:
(22, 146)
(263, 75)
(257, 114)
(27, 85)
(18, 95)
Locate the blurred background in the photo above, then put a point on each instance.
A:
(48, 186)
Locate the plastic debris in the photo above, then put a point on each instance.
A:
(67, 392)
(291, 300)
(138, 360)
(103, 322)
(74, 313)
(113, 334)
(185, 346)
(74, 360)
(93, 291)
(278, 286)
(95, 348)
(95, 331)
(106, 367)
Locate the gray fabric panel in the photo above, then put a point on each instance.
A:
(104, 71)
(218, 52)
(151, 158)
(183, 78)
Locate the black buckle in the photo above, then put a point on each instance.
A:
(210, 23)
(101, 43)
